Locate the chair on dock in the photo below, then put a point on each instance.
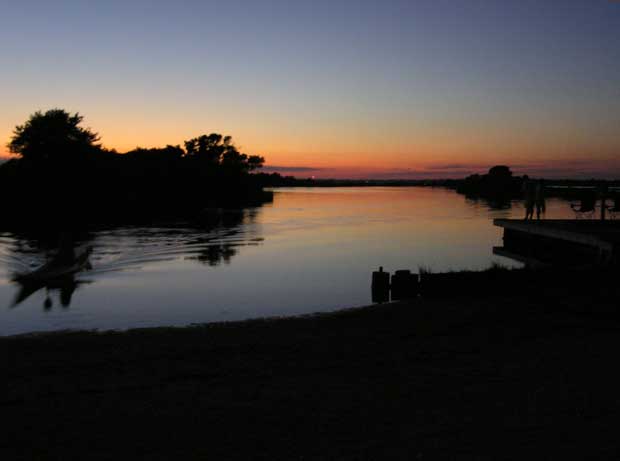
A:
(615, 208)
(586, 207)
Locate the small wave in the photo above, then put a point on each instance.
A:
(133, 249)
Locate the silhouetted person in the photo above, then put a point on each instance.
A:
(529, 196)
(539, 198)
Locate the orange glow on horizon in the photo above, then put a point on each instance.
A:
(355, 149)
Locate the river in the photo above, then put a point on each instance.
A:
(311, 250)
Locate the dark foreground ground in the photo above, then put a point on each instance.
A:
(531, 377)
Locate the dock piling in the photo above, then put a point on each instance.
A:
(404, 285)
(380, 286)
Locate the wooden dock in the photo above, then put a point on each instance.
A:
(552, 242)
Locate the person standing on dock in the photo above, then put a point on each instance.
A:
(539, 198)
(528, 195)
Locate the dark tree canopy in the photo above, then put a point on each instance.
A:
(53, 135)
(215, 149)
(498, 186)
(500, 171)
(209, 148)
(67, 170)
(168, 153)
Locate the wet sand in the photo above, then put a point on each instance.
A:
(488, 377)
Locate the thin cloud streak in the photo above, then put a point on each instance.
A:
(290, 169)
(556, 170)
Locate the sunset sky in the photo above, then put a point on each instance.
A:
(378, 89)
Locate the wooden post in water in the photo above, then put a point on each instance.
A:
(380, 286)
(404, 285)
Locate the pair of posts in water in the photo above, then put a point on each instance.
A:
(403, 285)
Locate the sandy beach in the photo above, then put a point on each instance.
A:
(495, 377)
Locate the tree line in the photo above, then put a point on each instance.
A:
(62, 171)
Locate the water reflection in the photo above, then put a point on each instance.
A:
(56, 274)
(64, 286)
(500, 203)
(319, 247)
(62, 262)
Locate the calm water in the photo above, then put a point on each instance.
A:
(310, 250)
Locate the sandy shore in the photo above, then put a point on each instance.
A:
(497, 377)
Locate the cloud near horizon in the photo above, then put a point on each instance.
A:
(570, 169)
(290, 169)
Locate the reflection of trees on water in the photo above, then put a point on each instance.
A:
(38, 261)
(490, 203)
(228, 226)
(48, 261)
(63, 288)
(214, 255)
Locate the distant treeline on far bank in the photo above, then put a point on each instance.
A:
(498, 182)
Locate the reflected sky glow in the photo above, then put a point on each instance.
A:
(311, 250)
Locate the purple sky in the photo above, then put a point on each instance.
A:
(331, 88)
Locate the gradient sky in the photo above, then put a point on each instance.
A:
(417, 88)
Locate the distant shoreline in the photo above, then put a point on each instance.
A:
(566, 189)
(449, 183)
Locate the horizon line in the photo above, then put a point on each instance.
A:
(432, 172)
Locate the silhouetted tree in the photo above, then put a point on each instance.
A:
(498, 186)
(215, 149)
(209, 148)
(59, 161)
(255, 162)
(53, 135)
(168, 153)
(500, 171)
